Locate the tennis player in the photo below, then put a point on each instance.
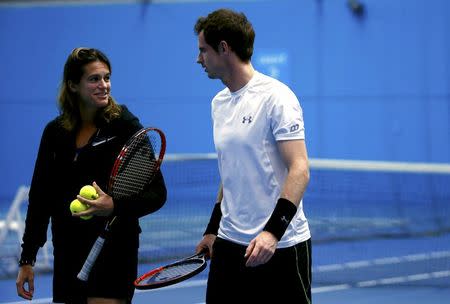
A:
(77, 148)
(258, 236)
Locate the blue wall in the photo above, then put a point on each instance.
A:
(374, 88)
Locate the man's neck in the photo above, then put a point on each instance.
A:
(239, 75)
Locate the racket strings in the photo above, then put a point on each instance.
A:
(137, 168)
(175, 271)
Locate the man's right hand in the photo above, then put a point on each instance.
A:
(206, 244)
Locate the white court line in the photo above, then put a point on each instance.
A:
(383, 261)
(330, 288)
(404, 279)
(384, 281)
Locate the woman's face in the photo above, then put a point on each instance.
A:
(95, 85)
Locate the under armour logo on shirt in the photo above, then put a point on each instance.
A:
(294, 128)
(247, 119)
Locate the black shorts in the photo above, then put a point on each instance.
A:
(285, 278)
(112, 276)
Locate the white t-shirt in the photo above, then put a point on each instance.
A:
(247, 124)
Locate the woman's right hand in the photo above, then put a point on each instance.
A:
(25, 276)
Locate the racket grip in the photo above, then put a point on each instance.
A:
(83, 275)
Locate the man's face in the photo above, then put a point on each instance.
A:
(210, 60)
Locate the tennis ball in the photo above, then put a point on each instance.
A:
(77, 206)
(88, 192)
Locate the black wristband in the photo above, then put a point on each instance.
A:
(281, 217)
(214, 221)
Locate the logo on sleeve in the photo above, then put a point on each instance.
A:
(294, 128)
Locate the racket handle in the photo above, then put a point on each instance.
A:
(83, 275)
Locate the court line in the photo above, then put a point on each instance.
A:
(385, 281)
(383, 261)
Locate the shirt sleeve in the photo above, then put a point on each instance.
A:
(286, 116)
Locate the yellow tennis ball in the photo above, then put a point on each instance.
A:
(77, 206)
(89, 192)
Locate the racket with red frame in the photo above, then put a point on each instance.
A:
(172, 273)
(134, 169)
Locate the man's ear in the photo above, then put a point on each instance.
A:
(223, 46)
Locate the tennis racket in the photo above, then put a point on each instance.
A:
(172, 273)
(134, 169)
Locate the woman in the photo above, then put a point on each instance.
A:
(78, 148)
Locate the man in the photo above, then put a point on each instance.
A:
(258, 237)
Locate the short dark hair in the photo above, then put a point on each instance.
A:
(230, 26)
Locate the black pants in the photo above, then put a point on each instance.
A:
(285, 278)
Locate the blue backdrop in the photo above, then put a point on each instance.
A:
(374, 87)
